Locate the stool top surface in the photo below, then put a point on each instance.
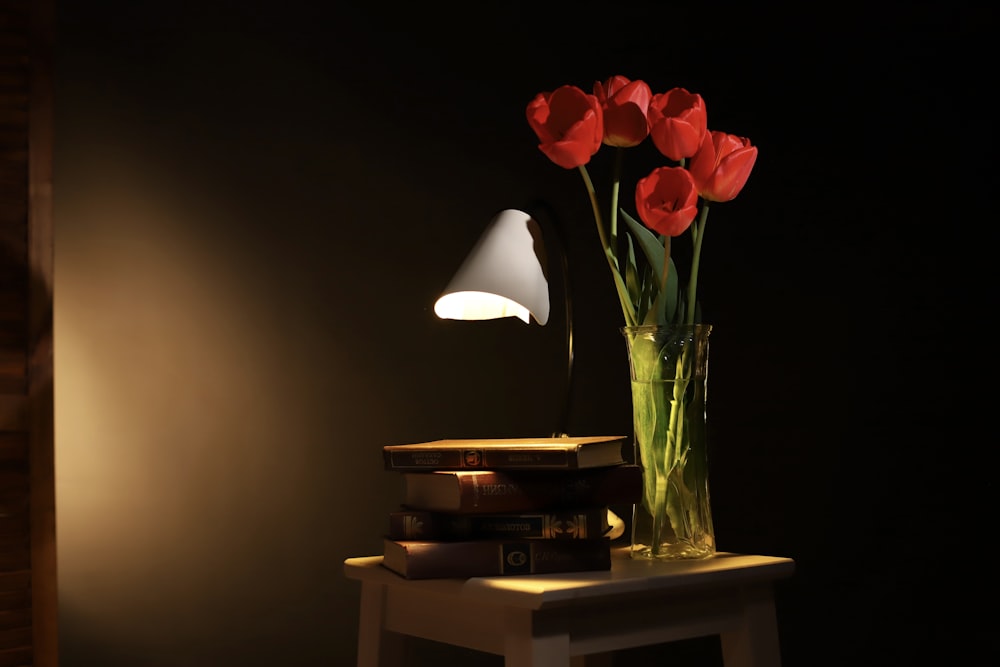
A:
(626, 576)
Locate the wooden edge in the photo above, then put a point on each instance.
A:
(41, 38)
(625, 578)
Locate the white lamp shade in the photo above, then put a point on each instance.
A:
(503, 276)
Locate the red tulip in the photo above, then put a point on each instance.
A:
(569, 124)
(722, 165)
(677, 123)
(667, 200)
(625, 104)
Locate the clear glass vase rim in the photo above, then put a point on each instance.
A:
(650, 328)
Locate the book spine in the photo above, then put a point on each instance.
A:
(428, 560)
(424, 525)
(478, 459)
(494, 491)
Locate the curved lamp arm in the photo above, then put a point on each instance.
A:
(546, 216)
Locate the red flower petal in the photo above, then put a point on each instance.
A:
(667, 201)
(722, 166)
(569, 125)
(678, 121)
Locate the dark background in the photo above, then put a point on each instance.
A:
(257, 203)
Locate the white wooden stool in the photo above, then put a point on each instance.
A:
(576, 618)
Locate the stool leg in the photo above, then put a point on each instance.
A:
(522, 648)
(377, 646)
(754, 640)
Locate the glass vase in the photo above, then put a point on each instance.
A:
(669, 372)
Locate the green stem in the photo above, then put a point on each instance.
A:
(659, 463)
(682, 375)
(627, 310)
(663, 455)
(666, 266)
(676, 447)
(594, 205)
(698, 232)
(616, 178)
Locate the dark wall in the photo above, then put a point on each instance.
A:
(256, 204)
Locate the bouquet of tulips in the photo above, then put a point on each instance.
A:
(668, 346)
(705, 166)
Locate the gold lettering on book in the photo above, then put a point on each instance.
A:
(480, 490)
(507, 526)
(523, 458)
(499, 489)
(426, 458)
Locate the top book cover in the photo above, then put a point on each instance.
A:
(560, 453)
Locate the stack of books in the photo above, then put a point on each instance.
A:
(507, 506)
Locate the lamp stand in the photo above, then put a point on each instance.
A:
(554, 235)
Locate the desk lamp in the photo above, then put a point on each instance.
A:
(506, 275)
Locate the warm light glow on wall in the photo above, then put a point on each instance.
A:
(158, 396)
(192, 428)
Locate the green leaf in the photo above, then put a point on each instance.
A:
(664, 306)
(648, 241)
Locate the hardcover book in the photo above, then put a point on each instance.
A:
(507, 453)
(486, 558)
(495, 491)
(578, 524)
